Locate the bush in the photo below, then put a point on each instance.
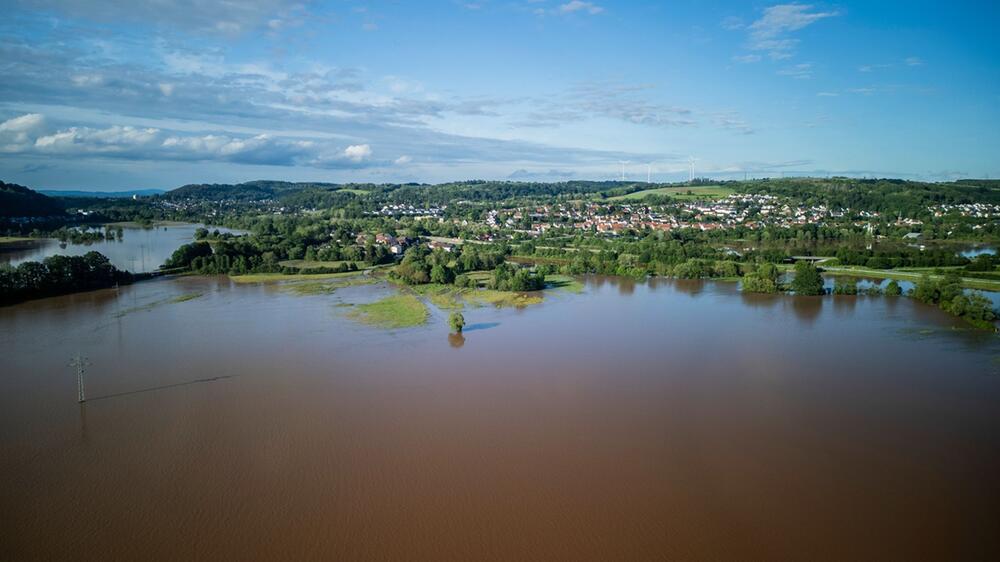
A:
(893, 289)
(845, 287)
(457, 322)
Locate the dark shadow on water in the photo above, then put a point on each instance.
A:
(626, 286)
(480, 326)
(164, 387)
(456, 340)
(844, 304)
(807, 309)
(690, 287)
(760, 300)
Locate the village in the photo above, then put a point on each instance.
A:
(752, 211)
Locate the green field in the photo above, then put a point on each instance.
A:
(564, 283)
(683, 193)
(397, 311)
(277, 277)
(303, 264)
(450, 297)
(325, 287)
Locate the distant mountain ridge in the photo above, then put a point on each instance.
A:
(251, 190)
(101, 194)
(19, 201)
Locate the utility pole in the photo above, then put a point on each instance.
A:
(81, 365)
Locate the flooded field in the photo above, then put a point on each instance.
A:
(632, 421)
(140, 250)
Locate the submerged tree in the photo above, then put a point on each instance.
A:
(807, 280)
(893, 289)
(457, 322)
(762, 280)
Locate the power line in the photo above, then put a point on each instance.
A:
(80, 363)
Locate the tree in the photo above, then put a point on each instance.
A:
(845, 287)
(974, 308)
(762, 280)
(926, 290)
(893, 289)
(807, 280)
(457, 322)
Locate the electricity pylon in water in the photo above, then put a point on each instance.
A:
(81, 364)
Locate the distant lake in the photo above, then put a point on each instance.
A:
(635, 421)
(140, 250)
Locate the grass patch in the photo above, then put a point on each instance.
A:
(696, 192)
(563, 283)
(275, 277)
(14, 239)
(501, 299)
(354, 191)
(445, 297)
(154, 304)
(303, 264)
(303, 288)
(397, 311)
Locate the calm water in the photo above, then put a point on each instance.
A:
(140, 250)
(669, 420)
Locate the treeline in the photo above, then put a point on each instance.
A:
(422, 265)
(947, 294)
(890, 197)
(58, 275)
(890, 258)
(19, 201)
(764, 278)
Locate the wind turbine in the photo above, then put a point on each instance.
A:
(623, 162)
(649, 168)
(691, 169)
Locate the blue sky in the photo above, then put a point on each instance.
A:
(122, 94)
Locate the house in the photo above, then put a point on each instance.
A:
(435, 245)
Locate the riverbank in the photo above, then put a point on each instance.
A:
(914, 276)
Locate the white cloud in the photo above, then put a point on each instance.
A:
(769, 33)
(358, 152)
(746, 59)
(802, 71)
(166, 88)
(23, 123)
(26, 135)
(913, 61)
(580, 6)
(827, 94)
(207, 16)
(403, 160)
(18, 133)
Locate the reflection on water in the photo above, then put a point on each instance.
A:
(140, 250)
(672, 420)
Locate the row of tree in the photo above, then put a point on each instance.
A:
(58, 275)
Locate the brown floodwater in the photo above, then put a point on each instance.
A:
(636, 421)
